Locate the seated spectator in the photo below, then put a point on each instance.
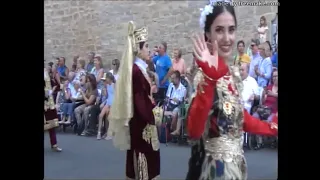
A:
(89, 97)
(65, 104)
(250, 87)
(269, 103)
(109, 81)
(80, 74)
(98, 71)
(175, 96)
(76, 96)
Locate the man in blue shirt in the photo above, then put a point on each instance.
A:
(264, 69)
(163, 69)
(255, 58)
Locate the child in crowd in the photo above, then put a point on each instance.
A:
(109, 82)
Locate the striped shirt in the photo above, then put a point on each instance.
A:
(178, 93)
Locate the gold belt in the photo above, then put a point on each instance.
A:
(224, 148)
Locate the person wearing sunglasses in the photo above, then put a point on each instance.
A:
(115, 68)
(255, 58)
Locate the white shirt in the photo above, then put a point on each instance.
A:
(142, 64)
(178, 93)
(114, 75)
(250, 87)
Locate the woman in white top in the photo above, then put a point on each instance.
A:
(115, 68)
(263, 29)
(80, 74)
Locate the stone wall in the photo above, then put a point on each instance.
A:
(77, 27)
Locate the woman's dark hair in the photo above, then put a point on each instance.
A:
(217, 10)
(241, 42)
(151, 66)
(269, 44)
(177, 73)
(111, 77)
(271, 79)
(74, 66)
(50, 64)
(141, 44)
(92, 81)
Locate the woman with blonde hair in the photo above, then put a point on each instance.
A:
(263, 29)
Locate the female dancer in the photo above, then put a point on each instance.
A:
(131, 116)
(50, 112)
(217, 119)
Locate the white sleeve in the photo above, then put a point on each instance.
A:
(169, 90)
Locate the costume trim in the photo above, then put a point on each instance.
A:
(150, 135)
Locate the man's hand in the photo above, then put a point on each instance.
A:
(162, 82)
(175, 100)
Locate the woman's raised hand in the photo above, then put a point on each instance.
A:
(202, 52)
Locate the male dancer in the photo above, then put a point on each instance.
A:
(131, 116)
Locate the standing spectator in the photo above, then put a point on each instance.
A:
(98, 71)
(241, 57)
(63, 70)
(163, 69)
(90, 64)
(250, 87)
(115, 68)
(178, 63)
(256, 58)
(264, 69)
(263, 29)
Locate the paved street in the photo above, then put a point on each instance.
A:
(88, 158)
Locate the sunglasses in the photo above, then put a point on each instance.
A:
(252, 45)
